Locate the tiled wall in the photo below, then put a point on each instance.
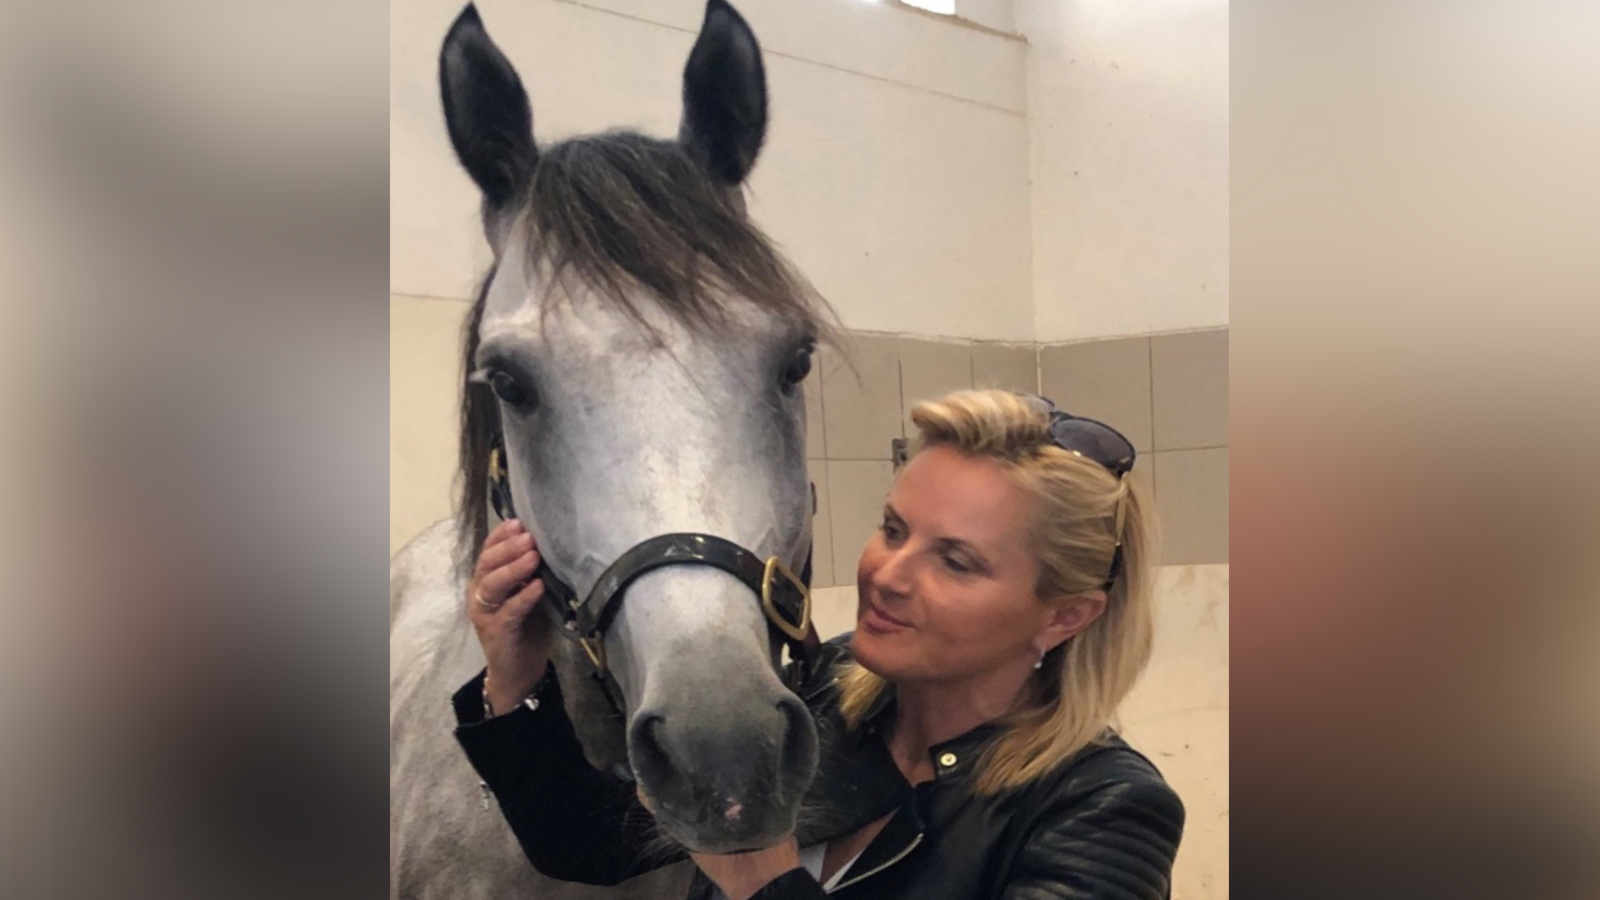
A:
(1168, 393)
(856, 411)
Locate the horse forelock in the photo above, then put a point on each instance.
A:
(635, 219)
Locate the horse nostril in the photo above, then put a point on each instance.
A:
(649, 757)
(799, 738)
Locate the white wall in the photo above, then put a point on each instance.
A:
(1128, 108)
(895, 172)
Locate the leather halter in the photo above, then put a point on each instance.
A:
(785, 599)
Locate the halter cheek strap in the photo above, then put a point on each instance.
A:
(785, 599)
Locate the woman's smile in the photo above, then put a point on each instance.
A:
(877, 621)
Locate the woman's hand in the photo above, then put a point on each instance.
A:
(501, 600)
(740, 875)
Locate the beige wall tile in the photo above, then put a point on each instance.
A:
(1105, 380)
(1189, 663)
(861, 406)
(929, 370)
(834, 610)
(821, 527)
(816, 444)
(1192, 497)
(424, 363)
(1189, 386)
(1144, 478)
(1148, 462)
(857, 489)
(1190, 748)
(1178, 716)
(1009, 367)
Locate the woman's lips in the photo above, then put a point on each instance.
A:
(877, 620)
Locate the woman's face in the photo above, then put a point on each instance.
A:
(947, 582)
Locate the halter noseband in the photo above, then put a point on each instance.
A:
(785, 599)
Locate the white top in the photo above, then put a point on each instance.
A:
(811, 859)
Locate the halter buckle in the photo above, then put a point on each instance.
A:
(499, 486)
(497, 469)
(797, 631)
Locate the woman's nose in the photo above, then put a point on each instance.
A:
(894, 572)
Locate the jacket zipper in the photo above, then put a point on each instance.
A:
(887, 863)
(819, 690)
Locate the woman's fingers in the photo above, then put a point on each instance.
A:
(520, 603)
(503, 553)
(504, 571)
(508, 528)
(497, 584)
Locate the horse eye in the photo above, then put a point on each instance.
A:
(798, 368)
(508, 389)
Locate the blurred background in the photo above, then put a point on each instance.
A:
(195, 198)
(1396, 202)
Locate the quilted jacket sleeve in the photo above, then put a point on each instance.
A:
(1116, 842)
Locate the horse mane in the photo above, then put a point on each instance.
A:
(629, 216)
(480, 427)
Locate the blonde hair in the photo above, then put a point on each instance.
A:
(1079, 511)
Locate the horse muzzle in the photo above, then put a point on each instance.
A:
(728, 775)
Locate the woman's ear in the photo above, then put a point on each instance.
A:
(1069, 616)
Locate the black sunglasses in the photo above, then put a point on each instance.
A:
(1096, 441)
(1090, 439)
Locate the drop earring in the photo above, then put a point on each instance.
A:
(1039, 664)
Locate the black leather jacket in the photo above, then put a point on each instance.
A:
(1105, 826)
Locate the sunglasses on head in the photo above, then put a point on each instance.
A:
(1095, 441)
(1091, 439)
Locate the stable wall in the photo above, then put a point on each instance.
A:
(1128, 135)
(895, 172)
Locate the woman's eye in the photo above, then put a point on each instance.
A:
(890, 530)
(799, 367)
(956, 565)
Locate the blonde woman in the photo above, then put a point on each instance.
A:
(967, 748)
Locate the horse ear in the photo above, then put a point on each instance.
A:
(486, 110)
(724, 96)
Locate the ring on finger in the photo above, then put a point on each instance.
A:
(478, 596)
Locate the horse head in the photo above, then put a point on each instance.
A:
(638, 352)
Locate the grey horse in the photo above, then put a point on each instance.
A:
(638, 350)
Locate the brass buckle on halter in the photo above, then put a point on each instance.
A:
(499, 486)
(597, 653)
(496, 470)
(796, 631)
